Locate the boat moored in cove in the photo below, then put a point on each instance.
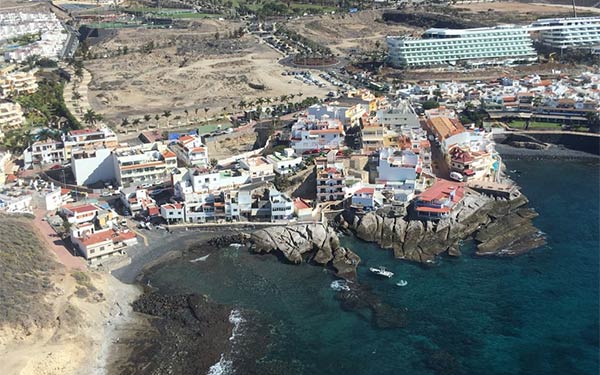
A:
(381, 271)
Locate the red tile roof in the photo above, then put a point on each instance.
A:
(441, 189)
(81, 208)
(365, 191)
(301, 204)
(96, 238)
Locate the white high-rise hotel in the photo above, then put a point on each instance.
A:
(568, 32)
(491, 45)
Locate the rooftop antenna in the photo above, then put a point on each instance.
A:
(574, 10)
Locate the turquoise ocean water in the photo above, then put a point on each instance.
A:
(534, 314)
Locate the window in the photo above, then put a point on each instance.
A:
(101, 248)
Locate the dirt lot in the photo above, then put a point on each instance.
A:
(342, 33)
(190, 70)
(535, 10)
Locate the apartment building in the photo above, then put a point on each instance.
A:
(574, 32)
(190, 151)
(44, 152)
(439, 200)
(11, 117)
(282, 206)
(331, 183)
(17, 83)
(284, 162)
(79, 213)
(399, 117)
(486, 45)
(89, 139)
(90, 166)
(309, 135)
(258, 167)
(397, 171)
(143, 163)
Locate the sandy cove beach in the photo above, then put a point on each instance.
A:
(77, 342)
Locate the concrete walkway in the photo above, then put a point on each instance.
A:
(56, 244)
(78, 107)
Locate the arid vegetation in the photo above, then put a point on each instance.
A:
(25, 274)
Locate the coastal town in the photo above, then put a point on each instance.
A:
(125, 124)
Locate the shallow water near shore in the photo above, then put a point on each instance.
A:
(534, 314)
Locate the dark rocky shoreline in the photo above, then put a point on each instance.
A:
(190, 333)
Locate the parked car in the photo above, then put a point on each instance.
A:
(457, 176)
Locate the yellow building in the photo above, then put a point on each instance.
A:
(17, 83)
(11, 117)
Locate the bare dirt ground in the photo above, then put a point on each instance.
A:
(190, 70)
(546, 69)
(537, 10)
(346, 32)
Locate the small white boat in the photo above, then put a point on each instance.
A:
(381, 271)
(201, 259)
(402, 283)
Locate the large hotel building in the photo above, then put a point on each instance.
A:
(490, 45)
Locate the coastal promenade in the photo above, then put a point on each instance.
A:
(56, 244)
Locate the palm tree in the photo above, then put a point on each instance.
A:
(167, 114)
(206, 114)
(90, 117)
(147, 118)
(124, 122)
(157, 117)
(242, 104)
(136, 122)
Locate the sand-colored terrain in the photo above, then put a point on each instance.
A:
(346, 32)
(538, 10)
(78, 341)
(190, 70)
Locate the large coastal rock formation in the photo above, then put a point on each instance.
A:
(299, 242)
(500, 226)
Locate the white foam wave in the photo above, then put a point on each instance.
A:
(236, 245)
(223, 367)
(235, 318)
(340, 285)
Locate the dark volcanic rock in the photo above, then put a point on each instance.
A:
(502, 226)
(296, 242)
(360, 299)
(190, 333)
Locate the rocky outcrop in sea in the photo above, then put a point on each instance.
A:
(501, 227)
(313, 242)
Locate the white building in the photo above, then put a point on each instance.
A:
(92, 166)
(284, 162)
(44, 152)
(309, 135)
(48, 198)
(318, 111)
(190, 151)
(52, 37)
(282, 207)
(486, 45)
(399, 117)
(11, 117)
(143, 164)
(17, 83)
(15, 203)
(575, 32)
(89, 139)
(258, 167)
(397, 171)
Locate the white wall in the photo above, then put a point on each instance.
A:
(91, 170)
